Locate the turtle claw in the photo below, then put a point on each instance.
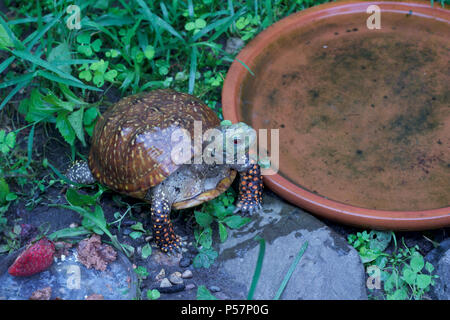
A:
(248, 209)
(173, 247)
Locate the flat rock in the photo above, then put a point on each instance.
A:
(329, 268)
(234, 45)
(440, 258)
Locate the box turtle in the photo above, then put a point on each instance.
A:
(133, 153)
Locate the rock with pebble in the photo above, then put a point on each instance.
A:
(187, 274)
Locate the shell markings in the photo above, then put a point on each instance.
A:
(131, 149)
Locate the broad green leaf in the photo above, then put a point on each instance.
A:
(200, 23)
(153, 294)
(84, 38)
(135, 235)
(189, 26)
(146, 251)
(11, 196)
(99, 79)
(141, 271)
(90, 115)
(86, 75)
(204, 294)
(76, 121)
(10, 140)
(96, 45)
(138, 227)
(99, 217)
(429, 267)
(205, 258)
(391, 282)
(205, 238)
(64, 127)
(149, 52)
(409, 276)
(86, 50)
(423, 281)
(77, 199)
(379, 240)
(223, 234)
(61, 52)
(417, 263)
(399, 294)
(203, 219)
(235, 222)
(110, 75)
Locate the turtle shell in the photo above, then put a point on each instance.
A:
(131, 149)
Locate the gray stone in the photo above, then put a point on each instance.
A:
(234, 45)
(175, 278)
(214, 289)
(440, 259)
(190, 286)
(185, 262)
(329, 268)
(165, 283)
(161, 275)
(187, 274)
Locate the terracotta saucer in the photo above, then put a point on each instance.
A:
(362, 113)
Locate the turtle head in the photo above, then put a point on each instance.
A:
(238, 139)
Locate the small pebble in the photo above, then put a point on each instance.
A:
(187, 274)
(175, 278)
(185, 262)
(214, 288)
(73, 225)
(161, 275)
(234, 45)
(190, 286)
(165, 283)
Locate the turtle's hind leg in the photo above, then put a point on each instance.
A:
(79, 172)
(163, 233)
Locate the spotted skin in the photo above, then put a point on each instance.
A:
(250, 190)
(79, 172)
(163, 232)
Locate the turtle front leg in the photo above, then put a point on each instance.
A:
(250, 189)
(163, 233)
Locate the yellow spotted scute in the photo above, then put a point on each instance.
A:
(131, 144)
